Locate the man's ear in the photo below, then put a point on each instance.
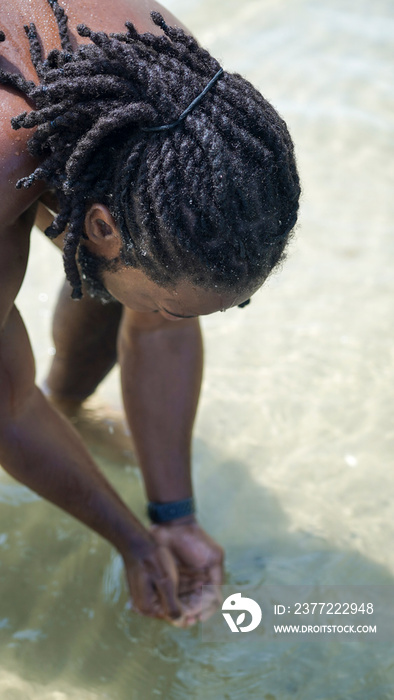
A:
(103, 236)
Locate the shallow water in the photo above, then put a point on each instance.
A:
(293, 447)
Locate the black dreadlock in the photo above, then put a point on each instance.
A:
(212, 200)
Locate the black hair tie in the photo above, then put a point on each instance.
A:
(188, 109)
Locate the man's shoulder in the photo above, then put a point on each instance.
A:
(16, 205)
(15, 161)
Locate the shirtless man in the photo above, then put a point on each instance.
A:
(149, 323)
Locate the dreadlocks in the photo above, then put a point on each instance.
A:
(212, 200)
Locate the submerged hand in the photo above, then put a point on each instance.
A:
(199, 561)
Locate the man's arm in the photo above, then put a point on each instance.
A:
(41, 449)
(161, 369)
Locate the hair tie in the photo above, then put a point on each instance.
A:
(188, 109)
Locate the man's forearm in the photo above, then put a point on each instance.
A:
(161, 365)
(40, 448)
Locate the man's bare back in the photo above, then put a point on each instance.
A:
(15, 162)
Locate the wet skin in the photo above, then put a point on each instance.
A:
(153, 332)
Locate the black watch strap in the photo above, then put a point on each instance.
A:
(163, 512)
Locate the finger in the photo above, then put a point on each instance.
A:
(192, 602)
(180, 622)
(148, 603)
(200, 607)
(145, 597)
(216, 575)
(211, 600)
(187, 585)
(168, 598)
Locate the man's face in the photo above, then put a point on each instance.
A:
(136, 291)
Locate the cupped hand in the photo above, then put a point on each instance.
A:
(153, 581)
(199, 561)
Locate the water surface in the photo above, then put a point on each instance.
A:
(293, 449)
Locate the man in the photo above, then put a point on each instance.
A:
(174, 190)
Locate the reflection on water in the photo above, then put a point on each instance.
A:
(294, 441)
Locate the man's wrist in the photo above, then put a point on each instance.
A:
(186, 521)
(171, 511)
